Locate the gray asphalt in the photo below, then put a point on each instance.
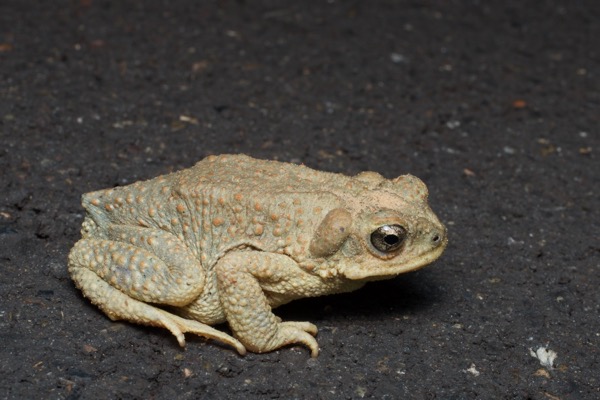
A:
(495, 105)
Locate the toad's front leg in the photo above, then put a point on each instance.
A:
(245, 280)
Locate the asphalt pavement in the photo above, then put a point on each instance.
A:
(494, 104)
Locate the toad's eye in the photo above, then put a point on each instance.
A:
(388, 238)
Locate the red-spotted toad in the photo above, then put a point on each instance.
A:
(233, 237)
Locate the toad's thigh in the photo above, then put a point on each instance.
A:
(140, 272)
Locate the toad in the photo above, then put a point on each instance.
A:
(233, 237)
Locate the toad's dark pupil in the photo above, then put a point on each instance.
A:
(388, 238)
(391, 239)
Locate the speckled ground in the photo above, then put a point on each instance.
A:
(495, 104)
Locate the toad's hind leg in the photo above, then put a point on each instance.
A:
(118, 305)
(120, 277)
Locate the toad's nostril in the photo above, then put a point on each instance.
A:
(437, 238)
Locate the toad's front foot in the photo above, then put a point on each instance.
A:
(285, 333)
(292, 333)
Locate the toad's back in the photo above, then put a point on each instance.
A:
(242, 173)
(223, 202)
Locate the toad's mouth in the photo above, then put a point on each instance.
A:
(377, 270)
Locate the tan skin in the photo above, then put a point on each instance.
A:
(233, 237)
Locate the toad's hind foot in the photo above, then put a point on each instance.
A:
(182, 325)
(119, 306)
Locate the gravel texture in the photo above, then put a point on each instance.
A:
(495, 104)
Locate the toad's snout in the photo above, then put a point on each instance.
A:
(432, 235)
